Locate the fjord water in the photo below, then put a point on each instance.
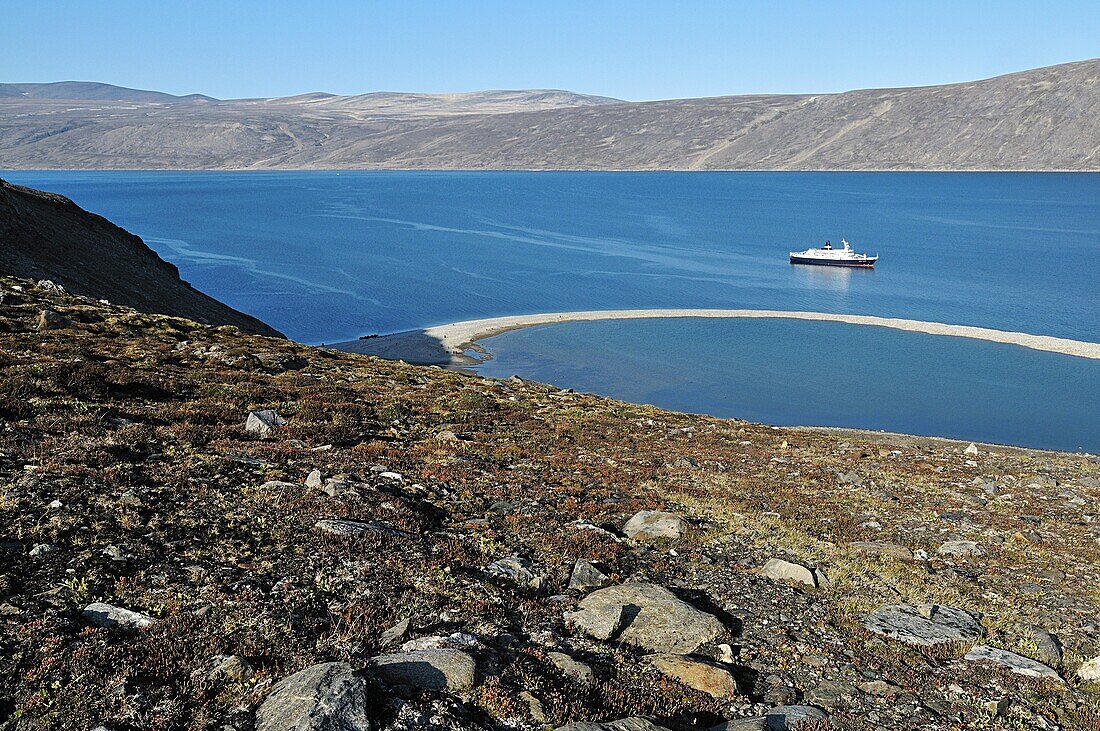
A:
(327, 256)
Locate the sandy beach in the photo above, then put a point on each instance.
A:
(447, 345)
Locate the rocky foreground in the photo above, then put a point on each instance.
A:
(205, 529)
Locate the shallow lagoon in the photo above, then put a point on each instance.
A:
(327, 256)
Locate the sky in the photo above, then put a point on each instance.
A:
(630, 50)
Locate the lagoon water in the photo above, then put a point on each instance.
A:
(328, 256)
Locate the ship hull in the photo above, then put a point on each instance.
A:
(833, 262)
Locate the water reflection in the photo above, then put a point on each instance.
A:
(831, 279)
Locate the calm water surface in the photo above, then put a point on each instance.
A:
(328, 256)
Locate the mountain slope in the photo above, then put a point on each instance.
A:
(1044, 119)
(47, 236)
(90, 91)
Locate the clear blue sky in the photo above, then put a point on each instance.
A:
(632, 50)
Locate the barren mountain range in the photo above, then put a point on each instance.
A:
(1043, 119)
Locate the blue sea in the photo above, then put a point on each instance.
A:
(329, 256)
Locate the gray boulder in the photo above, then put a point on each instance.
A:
(324, 697)
(779, 570)
(1011, 661)
(586, 577)
(647, 616)
(441, 669)
(108, 615)
(651, 524)
(262, 423)
(924, 624)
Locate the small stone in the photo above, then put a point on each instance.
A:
(441, 669)
(42, 549)
(646, 616)
(262, 423)
(703, 676)
(1050, 649)
(960, 548)
(1011, 661)
(517, 570)
(575, 669)
(971, 450)
(108, 615)
(586, 576)
(879, 688)
(233, 668)
(538, 713)
(779, 570)
(654, 524)
(324, 697)
(335, 488)
(395, 633)
(314, 479)
(1089, 670)
(997, 708)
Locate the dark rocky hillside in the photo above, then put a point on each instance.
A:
(201, 529)
(45, 236)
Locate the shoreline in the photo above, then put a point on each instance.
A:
(445, 345)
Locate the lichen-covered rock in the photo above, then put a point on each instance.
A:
(647, 616)
(651, 524)
(323, 697)
(924, 624)
(441, 669)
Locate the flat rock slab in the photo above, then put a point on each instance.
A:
(647, 616)
(779, 570)
(924, 625)
(1013, 662)
(324, 697)
(636, 723)
(441, 669)
(651, 524)
(880, 548)
(108, 615)
(701, 675)
(342, 527)
(960, 548)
